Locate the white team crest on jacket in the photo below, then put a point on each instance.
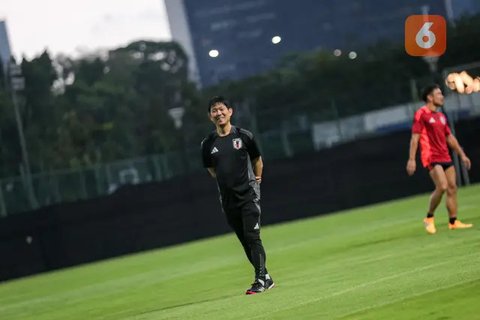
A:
(237, 143)
(442, 120)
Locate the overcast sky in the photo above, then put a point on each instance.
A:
(76, 26)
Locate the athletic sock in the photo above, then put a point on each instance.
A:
(452, 220)
(429, 215)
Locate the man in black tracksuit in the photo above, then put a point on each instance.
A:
(232, 157)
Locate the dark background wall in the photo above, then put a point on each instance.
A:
(143, 217)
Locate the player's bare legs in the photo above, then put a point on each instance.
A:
(440, 180)
(441, 185)
(451, 201)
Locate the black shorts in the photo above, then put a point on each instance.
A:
(444, 165)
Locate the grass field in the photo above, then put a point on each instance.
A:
(374, 262)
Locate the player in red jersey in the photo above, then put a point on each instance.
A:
(431, 129)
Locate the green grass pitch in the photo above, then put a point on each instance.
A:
(374, 262)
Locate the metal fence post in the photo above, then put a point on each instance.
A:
(3, 208)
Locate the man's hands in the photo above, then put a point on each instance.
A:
(466, 162)
(412, 166)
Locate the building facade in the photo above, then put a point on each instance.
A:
(232, 39)
(5, 52)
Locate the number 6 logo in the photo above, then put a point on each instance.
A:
(425, 35)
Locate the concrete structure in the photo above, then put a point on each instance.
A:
(5, 52)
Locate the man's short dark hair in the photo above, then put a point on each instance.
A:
(428, 91)
(218, 99)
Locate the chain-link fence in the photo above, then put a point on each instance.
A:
(292, 136)
(90, 182)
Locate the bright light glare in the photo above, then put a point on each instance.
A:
(276, 40)
(352, 55)
(213, 53)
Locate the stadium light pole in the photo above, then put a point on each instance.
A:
(17, 83)
(176, 113)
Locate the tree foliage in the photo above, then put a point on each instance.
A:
(78, 112)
